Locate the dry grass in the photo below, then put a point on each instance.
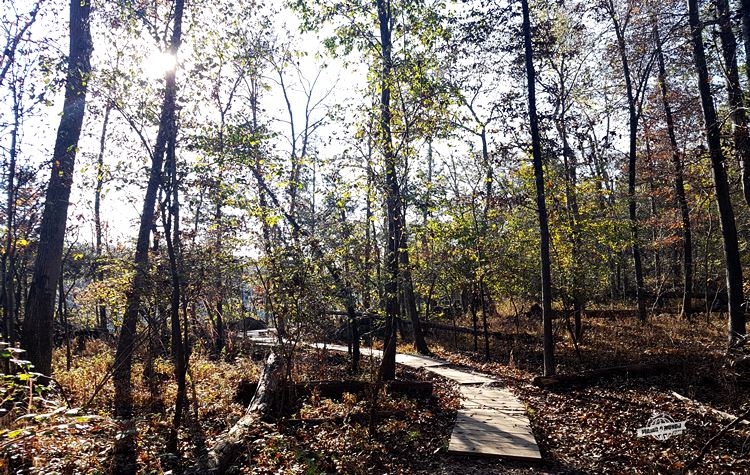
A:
(66, 446)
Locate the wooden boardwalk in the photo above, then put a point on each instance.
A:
(491, 421)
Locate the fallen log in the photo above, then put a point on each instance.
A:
(708, 409)
(632, 371)
(337, 389)
(712, 441)
(229, 446)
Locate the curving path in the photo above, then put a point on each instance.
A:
(491, 421)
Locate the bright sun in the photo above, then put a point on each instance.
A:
(158, 63)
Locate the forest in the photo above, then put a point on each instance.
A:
(374, 237)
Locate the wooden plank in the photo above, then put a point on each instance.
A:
(414, 361)
(519, 434)
(486, 401)
(492, 420)
(461, 376)
(485, 391)
(512, 451)
(480, 403)
(491, 398)
(496, 440)
(493, 423)
(500, 424)
(508, 409)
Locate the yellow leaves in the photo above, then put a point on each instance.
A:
(272, 220)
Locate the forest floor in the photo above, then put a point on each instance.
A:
(585, 429)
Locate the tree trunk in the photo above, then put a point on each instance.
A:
(536, 150)
(571, 198)
(351, 314)
(393, 197)
(36, 338)
(474, 317)
(126, 342)
(632, 164)
(99, 275)
(483, 237)
(219, 325)
(654, 213)
(485, 326)
(745, 14)
(172, 238)
(367, 255)
(410, 301)
(734, 89)
(726, 214)
(7, 263)
(679, 185)
(123, 460)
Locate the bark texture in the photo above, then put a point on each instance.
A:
(37, 332)
(721, 185)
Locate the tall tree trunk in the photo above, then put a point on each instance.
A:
(393, 197)
(37, 328)
(571, 198)
(734, 89)
(544, 241)
(745, 14)
(410, 301)
(123, 460)
(219, 324)
(367, 255)
(99, 275)
(726, 214)
(172, 238)
(370, 259)
(632, 170)
(489, 180)
(351, 314)
(473, 300)
(654, 212)
(7, 263)
(679, 185)
(126, 342)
